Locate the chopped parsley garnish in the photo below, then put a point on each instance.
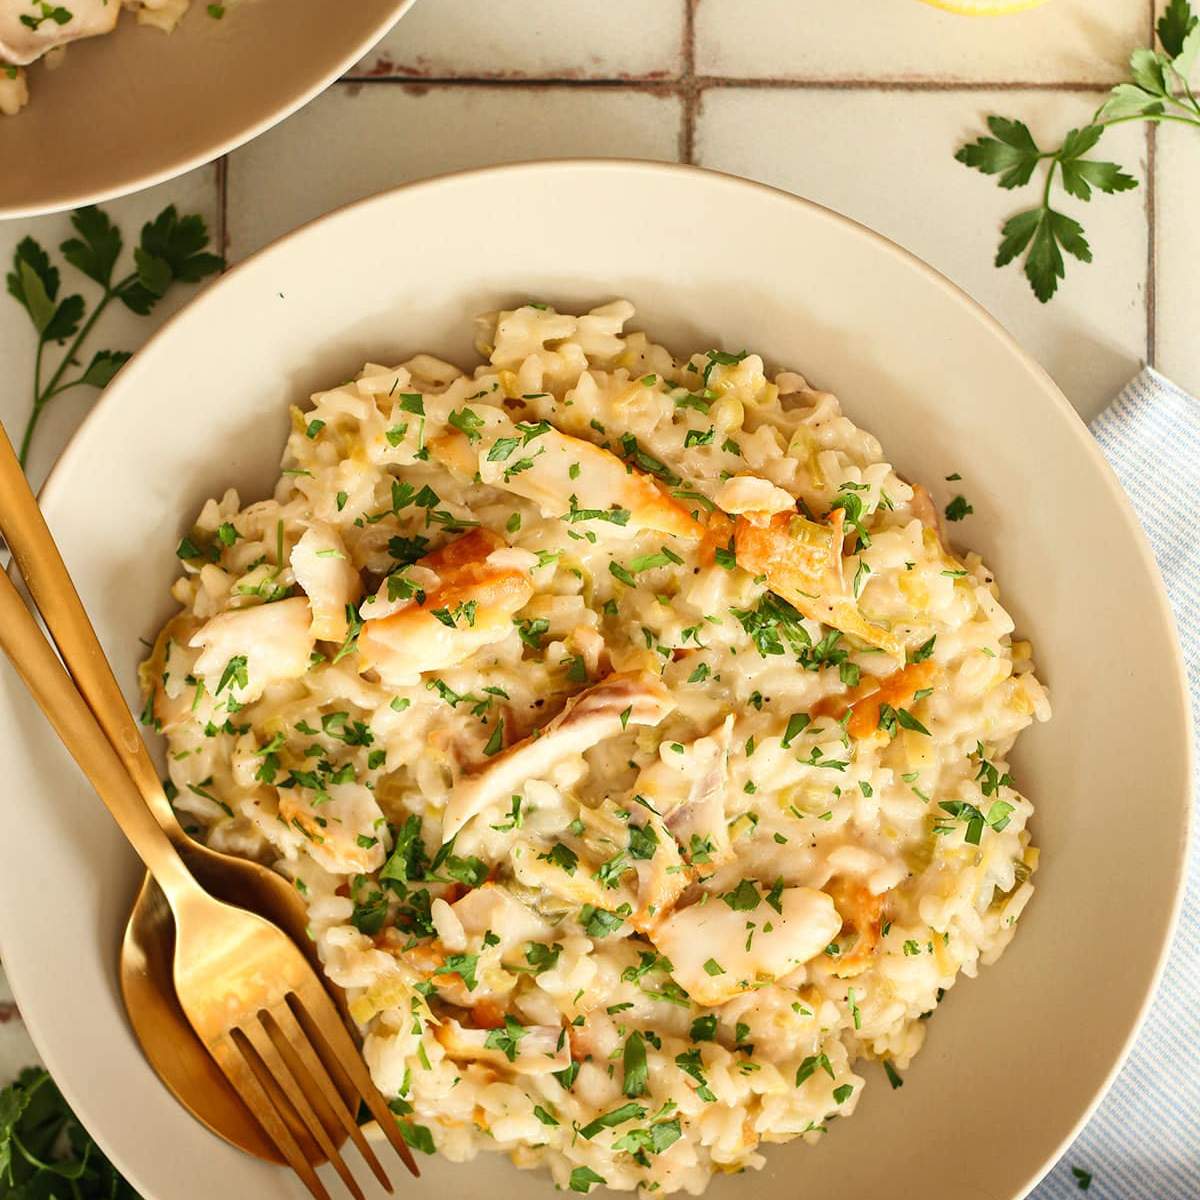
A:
(770, 623)
(647, 562)
(907, 721)
(958, 508)
(998, 815)
(502, 449)
(643, 841)
(634, 453)
(743, 898)
(614, 514)
(467, 422)
(609, 1120)
(541, 957)
(561, 856)
(721, 358)
(724, 556)
(690, 1063)
(619, 572)
(496, 741)
(797, 724)
(812, 1064)
(582, 1179)
(506, 1039)
(633, 1065)
(464, 965)
(599, 922)
(923, 651)
(609, 873)
(234, 673)
(531, 631)
(370, 913)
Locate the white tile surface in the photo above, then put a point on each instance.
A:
(404, 132)
(547, 39)
(1066, 41)
(1177, 254)
(118, 329)
(887, 160)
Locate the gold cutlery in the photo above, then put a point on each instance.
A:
(160, 1025)
(252, 998)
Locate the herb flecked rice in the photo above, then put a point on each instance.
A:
(637, 743)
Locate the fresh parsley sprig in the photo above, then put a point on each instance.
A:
(1158, 90)
(171, 249)
(45, 1152)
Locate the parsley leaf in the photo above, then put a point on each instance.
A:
(1010, 153)
(172, 248)
(1157, 90)
(1174, 26)
(45, 1151)
(1083, 1179)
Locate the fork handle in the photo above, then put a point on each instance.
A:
(45, 574)
(50, 685)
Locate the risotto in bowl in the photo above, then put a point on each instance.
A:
(642, 687)
(636, 738)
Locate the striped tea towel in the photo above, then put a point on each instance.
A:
(1144, 1141)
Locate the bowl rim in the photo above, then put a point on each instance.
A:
(176, 166)
(56, 482)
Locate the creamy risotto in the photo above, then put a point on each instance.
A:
(635, 738)
(35, 29)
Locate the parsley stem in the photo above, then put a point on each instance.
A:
(1054, 164)
(1154, 117)
(1192, 104)
(40, 395)
(62, 387)
(37, 402)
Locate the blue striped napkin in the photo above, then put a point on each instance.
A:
(1144, 1141)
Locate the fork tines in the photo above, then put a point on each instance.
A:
(292, 1066)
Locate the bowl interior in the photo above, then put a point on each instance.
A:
(1016, 1058)
(134, 108)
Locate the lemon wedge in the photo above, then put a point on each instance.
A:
(984, 8)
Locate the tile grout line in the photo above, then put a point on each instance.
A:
(1151, 244)
(222, 230)
(1151, 225)
(687, 82)
(688, 92)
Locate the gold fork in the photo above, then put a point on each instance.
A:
(250, 994)
(171, 1046)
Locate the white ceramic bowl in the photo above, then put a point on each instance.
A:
(1017, 1058)
(136, 107)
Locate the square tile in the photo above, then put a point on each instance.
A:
(886, 159)
(1065, 41)
(1177, 251)
(117, 329)
(403, 132)
(533, 39)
